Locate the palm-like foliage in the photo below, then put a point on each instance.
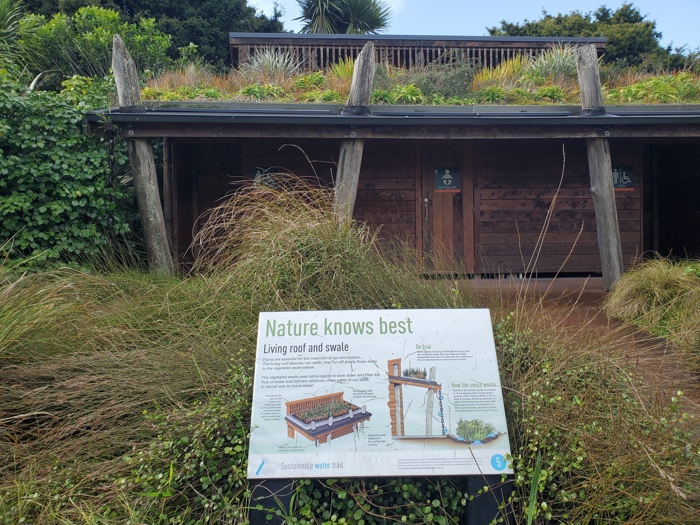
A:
(318, 15)
(363, 16)
(10, 15)
(344, 16)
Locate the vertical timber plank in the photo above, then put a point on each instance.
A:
(194, 191)
(168, 191)
(418, 174)
(468, 205)
(642, 175)
(142, 165)
(476, 213)
(447, 238)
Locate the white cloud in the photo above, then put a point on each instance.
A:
(396, 5)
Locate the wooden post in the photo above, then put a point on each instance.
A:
(142, 165)
(350, 158)
(429, 405)
(600, 168)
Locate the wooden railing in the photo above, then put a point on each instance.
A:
(318, 52)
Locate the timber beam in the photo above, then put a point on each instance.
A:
(442, 132)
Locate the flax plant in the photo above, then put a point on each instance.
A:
(506, 74)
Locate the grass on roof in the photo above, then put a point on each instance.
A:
(549, 78)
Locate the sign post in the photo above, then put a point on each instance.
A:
(377, 393)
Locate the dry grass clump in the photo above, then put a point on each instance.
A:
(72, 398)
(615, 448)
(190, 75)
(662, 296)
(27, 303)
(283, 249)
(613, 77)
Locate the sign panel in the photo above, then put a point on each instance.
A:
(377, 393)
(448, 180)
(623, 178)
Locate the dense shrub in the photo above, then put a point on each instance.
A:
(198, 462)
(59, 195)
(82, 44)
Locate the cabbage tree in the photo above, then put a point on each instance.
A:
(344, 16)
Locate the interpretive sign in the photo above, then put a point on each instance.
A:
(377, 393)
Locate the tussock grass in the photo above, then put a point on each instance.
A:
(613, 447)
(556, 65)
(74, 395)
(271, 62)
(282, 247)
(27, 302)
(662, 296)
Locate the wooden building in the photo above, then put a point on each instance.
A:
(318, 52)
(483, 185)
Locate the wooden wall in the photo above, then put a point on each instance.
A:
(386, 194)
(207, 170)
(516, 182)
(514, 185)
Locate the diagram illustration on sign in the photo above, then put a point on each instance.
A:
(324, 418)
(474, 432)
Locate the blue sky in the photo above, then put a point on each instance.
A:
(678, 20)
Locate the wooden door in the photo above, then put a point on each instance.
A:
(447, 195)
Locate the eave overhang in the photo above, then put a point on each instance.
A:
(404, 122)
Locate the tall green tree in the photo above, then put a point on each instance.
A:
(81, 44)
(344, 16)
(205, 23)
(630, 35)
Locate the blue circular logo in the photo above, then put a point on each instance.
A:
(498, 462)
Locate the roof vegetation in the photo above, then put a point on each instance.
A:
(549, 78)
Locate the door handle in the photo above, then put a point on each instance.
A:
(427, 203)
